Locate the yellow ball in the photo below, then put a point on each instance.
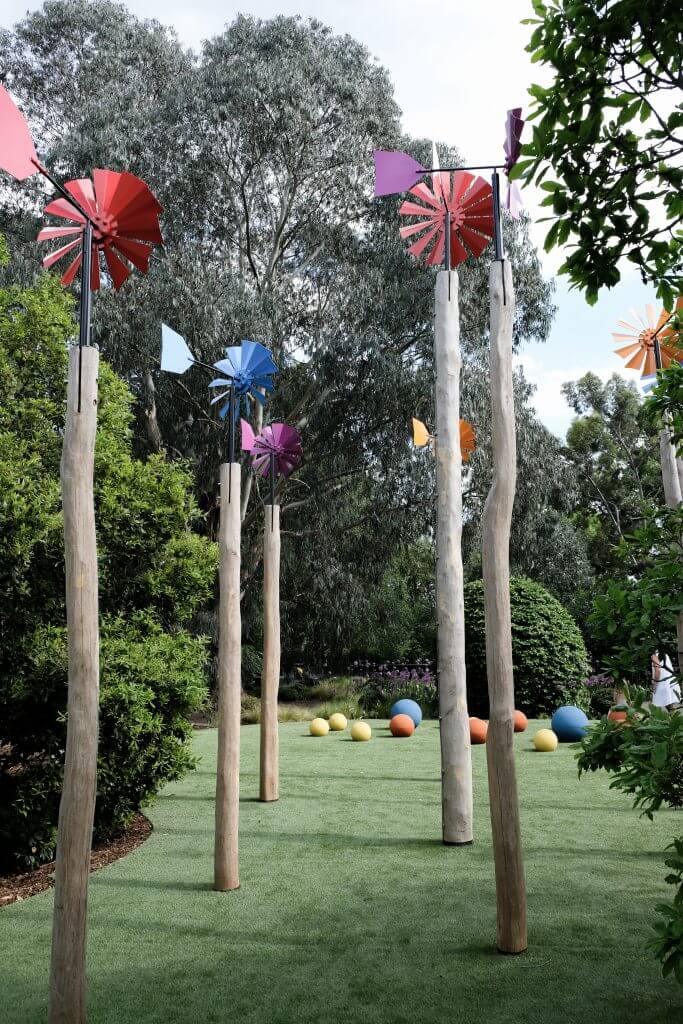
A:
(319, 727)
(337, 722)
(545, 740)
(361, 731)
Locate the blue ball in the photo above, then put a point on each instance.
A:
(407, 707)
(569, 724)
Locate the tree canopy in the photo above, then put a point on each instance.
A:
(607, 137)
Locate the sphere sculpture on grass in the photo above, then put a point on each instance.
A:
(337, 722)
(478, 730)
(545, 740)
(409, 707)
(569, 724)
(617, 715)
(361, 731)
(319, 727)
(402, 725)
(520, 721)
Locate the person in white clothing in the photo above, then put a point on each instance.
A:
(666, 692)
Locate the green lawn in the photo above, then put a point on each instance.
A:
(352, 910)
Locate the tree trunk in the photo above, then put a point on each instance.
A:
(270, 678)
(456, 758)
(151, 422)
(77, 805)
(500, 754)
(226, 848)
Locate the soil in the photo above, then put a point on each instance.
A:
(14, 888)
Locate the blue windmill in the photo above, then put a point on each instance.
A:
(247, 374)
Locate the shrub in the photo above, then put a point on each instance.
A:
(644, 754)
(387, 685)
(668, 945)
(155, 575)
(548, 651)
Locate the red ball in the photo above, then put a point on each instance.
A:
(520, 721)
(478, 730)
(402, 725)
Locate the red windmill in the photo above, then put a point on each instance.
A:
(115, 214)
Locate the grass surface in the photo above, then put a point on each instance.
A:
(351, 909)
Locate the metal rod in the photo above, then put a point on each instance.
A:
(447, 241)
(272, 491)
(499, 255)
(481, 167)
(658, 352)
(86, 297)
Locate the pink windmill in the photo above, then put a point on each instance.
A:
(275, 451)
(463, 208)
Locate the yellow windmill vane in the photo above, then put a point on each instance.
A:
(468, 444)
(648, 333)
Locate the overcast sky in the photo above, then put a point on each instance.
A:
(456, 68)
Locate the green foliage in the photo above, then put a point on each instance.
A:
(548, 651)
(381, 690)
(155, 574)
(607, 129)
(637, 615)
(664, 404)
(668, 945)
(644, 755)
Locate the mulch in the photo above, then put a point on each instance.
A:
(14, 888)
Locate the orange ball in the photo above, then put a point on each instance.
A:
(520, 721)
(402, 725)
(617, 716)
(478, 730)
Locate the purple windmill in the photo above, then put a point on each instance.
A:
(276, 450)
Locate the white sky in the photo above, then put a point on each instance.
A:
(456, 67)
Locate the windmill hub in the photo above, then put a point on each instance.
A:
(647, 338)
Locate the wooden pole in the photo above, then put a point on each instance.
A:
(456, 756)
(671, 479)
(226, 844)
(500, 754)
(77, 805)
(270, 678)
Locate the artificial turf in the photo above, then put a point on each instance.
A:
(351, 909)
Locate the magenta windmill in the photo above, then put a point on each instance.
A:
(276, 451)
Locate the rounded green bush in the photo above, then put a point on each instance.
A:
(548, 651)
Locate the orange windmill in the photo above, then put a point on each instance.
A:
(468, 444)
(653, 342)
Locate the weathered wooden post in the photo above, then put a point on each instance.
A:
(77, 804)
(500, 755)
(226, 838)
(269, 788)
(456, 759)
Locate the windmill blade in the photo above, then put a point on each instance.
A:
(118, 270)
(69, 276)
(417, 248)
(413, 229)
(82, 191)
(46, 234)
(63, 208)
(137, 252)
(17, 151)
(256, 359)
(48, 261)
(175, 353)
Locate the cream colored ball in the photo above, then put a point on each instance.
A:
(337, 722)
(545, 740)
(319, 727)
(361, 731)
